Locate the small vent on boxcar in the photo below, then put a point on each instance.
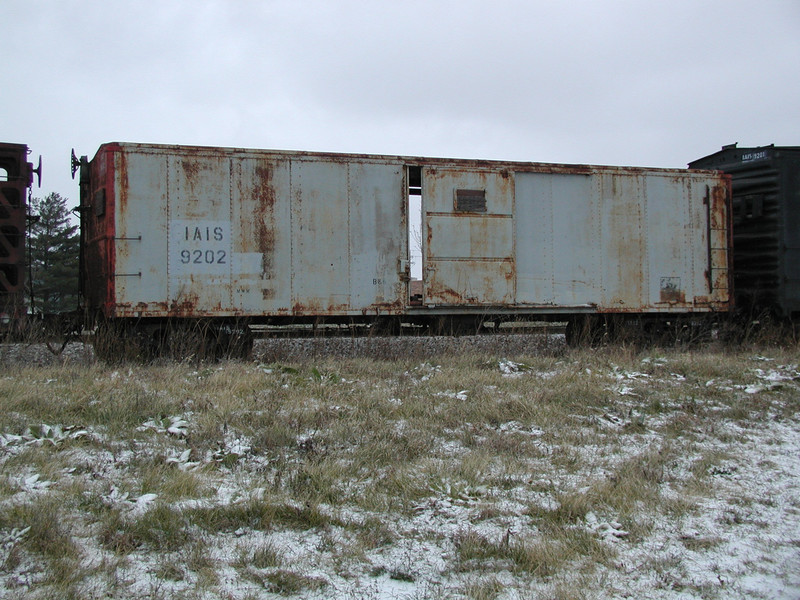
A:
(750, 206)
(471, 200)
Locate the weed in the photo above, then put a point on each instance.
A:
(635, 481)
(262, 556)
(259, 515)
(700, 544)
(485, 588)
(272, 436)
(47, 530)
(170, 483)
(162, 528)
(287, 582)
(572, 508)
(307, 516)
(541, 558)
(317, 481)
(374, 533)
(400, 574)
(170, 570)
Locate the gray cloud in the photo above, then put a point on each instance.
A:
(654, 84)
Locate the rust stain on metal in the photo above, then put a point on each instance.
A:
(119, 252)
(671, 292)
(265, 217)
(185, 307)
(721, 279)
(719, 207)
(445, 295)
(318, 308)
(191, 168)
(394, 308)
(625, 239)
(100, 229)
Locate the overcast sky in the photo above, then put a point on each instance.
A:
(629, 83)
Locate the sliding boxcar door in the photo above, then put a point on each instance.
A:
(468, 246)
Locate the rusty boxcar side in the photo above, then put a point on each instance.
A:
(553, 239)
(173, 232)
(196, 232)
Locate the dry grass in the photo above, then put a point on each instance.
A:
(195, 473)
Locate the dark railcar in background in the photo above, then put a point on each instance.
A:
(766, 225)
(16, 176)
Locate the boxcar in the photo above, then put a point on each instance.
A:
(16, 176)
(178, 234)
(766, 225)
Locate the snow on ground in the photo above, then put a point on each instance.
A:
(739, 538)
(743, 541)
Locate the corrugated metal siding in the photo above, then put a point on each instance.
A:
(766, 224)
(13, 213)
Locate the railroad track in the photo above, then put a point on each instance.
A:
(406, 330)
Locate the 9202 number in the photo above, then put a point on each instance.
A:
(204, 257)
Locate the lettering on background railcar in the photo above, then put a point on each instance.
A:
(754, 156)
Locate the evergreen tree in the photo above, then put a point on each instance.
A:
(53, 275)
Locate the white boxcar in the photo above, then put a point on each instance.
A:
(189, 232)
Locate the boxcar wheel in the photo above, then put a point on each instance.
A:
(190, 340)
(455, 326)
(117, 342)
(581, 331)
(385, 326)
(233, 340)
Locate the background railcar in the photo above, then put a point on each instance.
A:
(766, 225)
(176, 234)
(16, 176)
